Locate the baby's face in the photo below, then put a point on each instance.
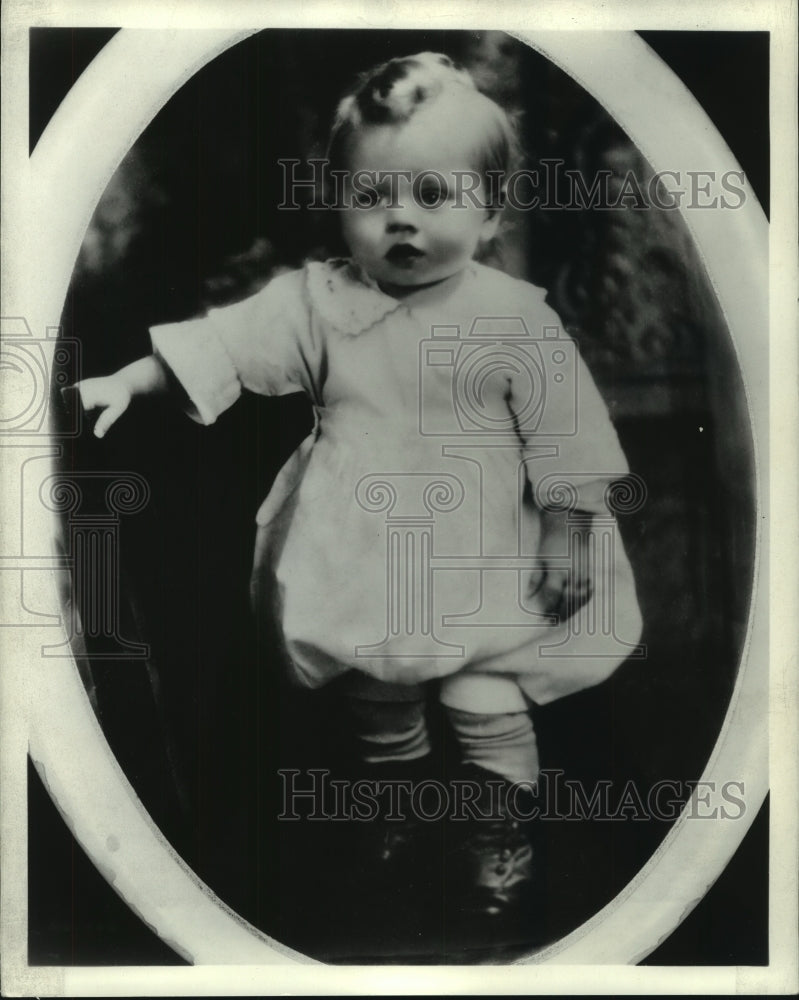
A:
(416, 234)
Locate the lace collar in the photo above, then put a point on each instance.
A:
(351, 301)
(344, 294)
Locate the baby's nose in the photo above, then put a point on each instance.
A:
(395, 226)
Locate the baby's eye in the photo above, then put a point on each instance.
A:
(432, 193)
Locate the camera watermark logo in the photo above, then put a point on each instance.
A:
(495, 348)
(26, 382)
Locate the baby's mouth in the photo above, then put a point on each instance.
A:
(404, 254)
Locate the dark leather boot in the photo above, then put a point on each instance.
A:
(396, 842)
(491, 865)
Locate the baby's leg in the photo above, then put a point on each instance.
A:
(387, 720)
(492, 724)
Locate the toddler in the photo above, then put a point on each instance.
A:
(345, 557)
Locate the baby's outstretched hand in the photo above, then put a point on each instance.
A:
(111, 394)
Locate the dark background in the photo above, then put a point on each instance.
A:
(190, 220)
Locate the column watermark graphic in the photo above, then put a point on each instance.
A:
(409, 503)
(93, 504)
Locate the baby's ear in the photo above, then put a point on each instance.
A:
(490, 223)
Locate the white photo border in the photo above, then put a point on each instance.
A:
(45, 709)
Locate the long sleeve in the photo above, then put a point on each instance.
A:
(570, 443)
(266, 344)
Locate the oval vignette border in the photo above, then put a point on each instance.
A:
(639, 91)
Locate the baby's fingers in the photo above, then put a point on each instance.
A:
(109, 416)
(110, 395)
(562, 592)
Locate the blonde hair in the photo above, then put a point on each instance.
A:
(392, 92)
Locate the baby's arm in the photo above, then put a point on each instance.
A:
(112, 394)
(587, 456)
(265, 344)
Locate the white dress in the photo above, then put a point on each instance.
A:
(401, 537)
